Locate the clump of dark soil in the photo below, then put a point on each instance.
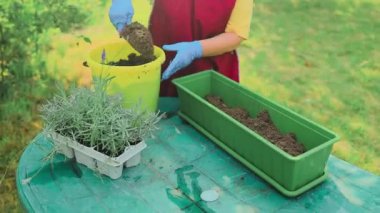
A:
(140, 39)
(262, 125)
(133, 60)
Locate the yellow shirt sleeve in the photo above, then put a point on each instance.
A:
(240, 20)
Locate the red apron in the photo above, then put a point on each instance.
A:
(175, 21)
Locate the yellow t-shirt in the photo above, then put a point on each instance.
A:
(238, 23)
(240, 20)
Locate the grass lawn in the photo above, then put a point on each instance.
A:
(316, 57)
(321, 59)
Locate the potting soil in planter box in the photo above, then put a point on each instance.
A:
(291, 175)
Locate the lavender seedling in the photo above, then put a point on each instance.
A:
(103, 56)
(95, 119)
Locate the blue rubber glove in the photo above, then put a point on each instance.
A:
(186, 53)
(121, 13)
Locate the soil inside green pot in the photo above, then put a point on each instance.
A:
(133, 60)
(262, 125)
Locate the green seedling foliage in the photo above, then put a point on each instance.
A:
(85, 39)
(25, 31)
(95, 119)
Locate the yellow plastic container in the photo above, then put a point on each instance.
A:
(134, 83)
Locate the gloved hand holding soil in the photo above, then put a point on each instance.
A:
(140, 39)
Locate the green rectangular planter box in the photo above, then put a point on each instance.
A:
(290, 175)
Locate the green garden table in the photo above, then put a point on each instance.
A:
(178, 165)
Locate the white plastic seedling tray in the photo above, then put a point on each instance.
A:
(97, 161)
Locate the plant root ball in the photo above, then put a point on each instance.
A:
(140, 39)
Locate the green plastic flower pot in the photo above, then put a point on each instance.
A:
(291, 175)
